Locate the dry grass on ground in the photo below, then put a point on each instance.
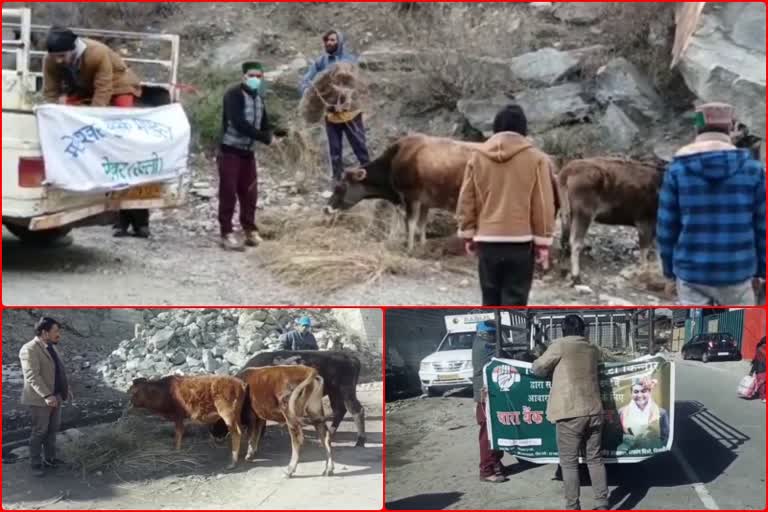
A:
(130, 447)
(331, 253)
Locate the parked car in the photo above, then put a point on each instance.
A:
(450, 366)
(711, 346)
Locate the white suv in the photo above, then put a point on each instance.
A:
(450, 366)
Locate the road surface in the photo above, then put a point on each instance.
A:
(718, 460)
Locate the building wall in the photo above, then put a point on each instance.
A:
(365, 323)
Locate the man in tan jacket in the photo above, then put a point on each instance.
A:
(45, 388)
(506, 210)
(575, 407)
(81, 71)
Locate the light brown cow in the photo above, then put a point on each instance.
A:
(201, 398)
(610, 191)
(418, 172)
(290, 395)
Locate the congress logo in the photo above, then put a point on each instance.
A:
(505, 377)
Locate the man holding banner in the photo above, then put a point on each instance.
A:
(576, 408)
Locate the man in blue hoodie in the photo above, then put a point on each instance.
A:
(711, 222)
(338, 123)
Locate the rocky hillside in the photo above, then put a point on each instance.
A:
(593, 77)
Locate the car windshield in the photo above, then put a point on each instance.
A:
(457, 341)
(724, 338)
(464, 340)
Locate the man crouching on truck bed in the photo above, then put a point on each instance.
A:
(80, 71)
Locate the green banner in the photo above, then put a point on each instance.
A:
(638, 402)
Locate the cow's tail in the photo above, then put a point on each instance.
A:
(306, 398)
(246, 414)
(561, 182)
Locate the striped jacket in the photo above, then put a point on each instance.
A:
(711, 222)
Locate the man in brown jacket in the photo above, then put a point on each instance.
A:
(45, 388)
(80, 71)
(506, 210)
(576, 408)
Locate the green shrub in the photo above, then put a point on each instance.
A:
(204, 109)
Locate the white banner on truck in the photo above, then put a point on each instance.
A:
(107, 149)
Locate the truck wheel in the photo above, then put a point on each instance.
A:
(47, 237)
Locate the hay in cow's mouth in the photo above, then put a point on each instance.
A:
(127, 448)
(324, 254)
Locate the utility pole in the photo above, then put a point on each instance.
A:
(651, 331)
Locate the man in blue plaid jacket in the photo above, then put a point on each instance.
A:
(711, 222)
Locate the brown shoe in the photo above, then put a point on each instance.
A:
(252, 238)
(230, 243)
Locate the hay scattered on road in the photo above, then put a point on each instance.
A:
(128, 446)
(330, 254)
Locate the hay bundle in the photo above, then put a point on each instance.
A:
(342, 86)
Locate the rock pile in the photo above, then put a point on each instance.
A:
(217, 341)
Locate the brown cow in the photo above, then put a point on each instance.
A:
(201, 398)
(610, 191)
(289, 394)
(418, 172)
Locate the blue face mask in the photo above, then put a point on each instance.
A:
(253, 83)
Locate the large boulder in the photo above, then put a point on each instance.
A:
(622, 83)
(580, 13)
(545, 108)
(725, 59)
(619, 131)
(546, 65)
(162, 338)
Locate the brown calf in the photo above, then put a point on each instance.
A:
(610, 191)
(290, 395)
(201, 398)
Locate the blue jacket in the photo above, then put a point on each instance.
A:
(711, 222)
(325, 62)
(294, 340)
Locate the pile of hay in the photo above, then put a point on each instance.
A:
(342, 86)
(330, 254)
(321, 254)
(127, 447)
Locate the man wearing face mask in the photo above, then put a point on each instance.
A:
(244, 123)
(80, 71)
(301, 338)
(338, 123)
(45, 388)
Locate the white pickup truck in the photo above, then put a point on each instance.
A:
(38, 213)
